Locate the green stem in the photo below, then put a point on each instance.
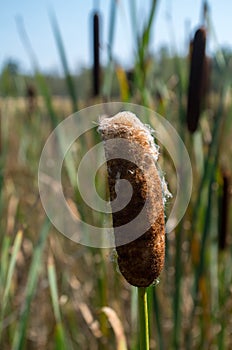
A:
(143, 319)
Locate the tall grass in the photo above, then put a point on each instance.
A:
(64, 62)
(60, 339)
(33, 275)
(108, 77)
(190, 307)
(7, 281)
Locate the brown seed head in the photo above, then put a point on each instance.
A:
(96, 54)
(142, 259)
(196, 79)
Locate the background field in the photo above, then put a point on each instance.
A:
(56, 294)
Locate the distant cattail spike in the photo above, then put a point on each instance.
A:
(223, 212)
(141, 260)
(196, 79)
(96, 55)
(31, 95)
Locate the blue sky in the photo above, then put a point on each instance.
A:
(175, 21)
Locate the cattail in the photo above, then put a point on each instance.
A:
(31, 95)
(196, 79)
(132, 156)
(96, 55)
(223, 212)
(130, 74)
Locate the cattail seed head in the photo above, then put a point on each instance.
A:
(96, 55)
(196, 79)
(224, 212)
(141, 260)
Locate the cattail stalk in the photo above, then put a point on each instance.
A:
(196, 79)
(143, 318)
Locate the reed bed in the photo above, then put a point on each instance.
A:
(59, 294)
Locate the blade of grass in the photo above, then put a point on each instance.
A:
(177, 292)
(178, 236)
(6, 294)
(113, 12)
(213, 147)
(117, 327)
(220, 59)
(60, 343)
(224, 278)
(69, 162)
(179, 71)
(102, 290)
(108, 77)
(20, 332)
(214, 254)
(156, 308)
(197, 208)
(133, 20)
(4, 258)
(211, 175)
(52, 279)
(143, 41)
(64, 61)
(1, 158)
(4, 132)
(201, 266)
(41, 82)
(38, 76)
